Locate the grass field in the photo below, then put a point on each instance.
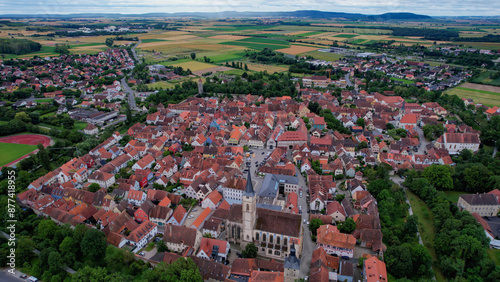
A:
(194, 65)
(227, 57)
(323, 55)
(269, 68)
(255, 46)
(161, 84)
(46, 51)
(11, 152)
(405, 81)
(494, 254)
(346, 35)
(296, 49)
(452, 196)
(151, 40)
(479, 96)
(426, 228)
(485, 78)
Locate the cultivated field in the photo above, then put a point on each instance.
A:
(295, 49)
(479, 96)
(269, 68)
(213, 70)
(194, 66)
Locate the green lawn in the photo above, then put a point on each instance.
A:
(494, 254)
(405, 81)
(264, 40)
(11, 152)
(228, 57)
(452, 196)
(80, 125)
(161, 84)
(256, 46)
(151, 40)
(426, 228)
(149, 247)
(346, 35)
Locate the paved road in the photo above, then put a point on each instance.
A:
(133, 51)
(7, 277)
(423, 141)
(347, 80)
(308, 246)
(130, 94)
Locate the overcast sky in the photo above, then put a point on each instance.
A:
(426, 7)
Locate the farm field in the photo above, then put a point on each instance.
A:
(485, 79)
(479, 96)
(11, 152)
(323, 55)
(295, 49)
(269, 68)
(194, 65)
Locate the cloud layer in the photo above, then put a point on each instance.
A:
(427, 7)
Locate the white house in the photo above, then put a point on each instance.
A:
(140, 236)
(104, 179)
(136, 197)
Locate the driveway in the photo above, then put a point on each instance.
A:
(308, 246)
(195, 212)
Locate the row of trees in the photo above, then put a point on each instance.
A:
(405, 257)
(18, 46)
(460, 241)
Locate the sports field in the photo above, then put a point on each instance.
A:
(10, 152)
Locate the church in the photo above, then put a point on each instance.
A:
(273, 232)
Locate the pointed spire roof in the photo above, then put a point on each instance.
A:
(291, 261)
(249, 192)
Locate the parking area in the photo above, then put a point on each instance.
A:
(192, 215)
(255, 159)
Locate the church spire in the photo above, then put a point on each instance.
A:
(249, 188)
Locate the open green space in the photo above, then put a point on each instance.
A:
(264, 40)
(310, 33)
(324, 55)
(236, 27)
(11, 152)
(494, 254)
(425, 219)
(484, 78)
(452, 196)
(44, 52)
(405, 81)
(346, 35)
(161, 85)
(256, 46)
(358, 41)
(479, 96)
(222, 58)
(151, 40)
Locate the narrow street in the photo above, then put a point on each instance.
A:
(308, 246)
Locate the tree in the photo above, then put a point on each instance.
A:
(93, 246)
(109, 42)
(207, 235)
(22, 116)
(347, 226)
(43, 157)
(314, 225)
(361, 122)
(439, 176)
(339, 197)
(55, 262)
(94, 187)
(161, 246)
(250, 251)
(128, 113)
(389, 126)
(193, 55)
(183, 269)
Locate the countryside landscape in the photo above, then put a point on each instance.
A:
(249, 146)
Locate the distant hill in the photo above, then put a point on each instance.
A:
(311, 14)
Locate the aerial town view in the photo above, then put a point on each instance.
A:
(237, 141)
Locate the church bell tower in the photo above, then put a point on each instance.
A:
(249, 211)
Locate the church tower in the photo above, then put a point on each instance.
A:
(249, 211)
(292, 266)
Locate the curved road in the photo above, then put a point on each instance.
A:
(133, 51)
(347, 80)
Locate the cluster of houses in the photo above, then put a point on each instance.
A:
(198, 150)
(65, 71)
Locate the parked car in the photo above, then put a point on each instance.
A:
(142, 254)
(23, 276)
(263, 153)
